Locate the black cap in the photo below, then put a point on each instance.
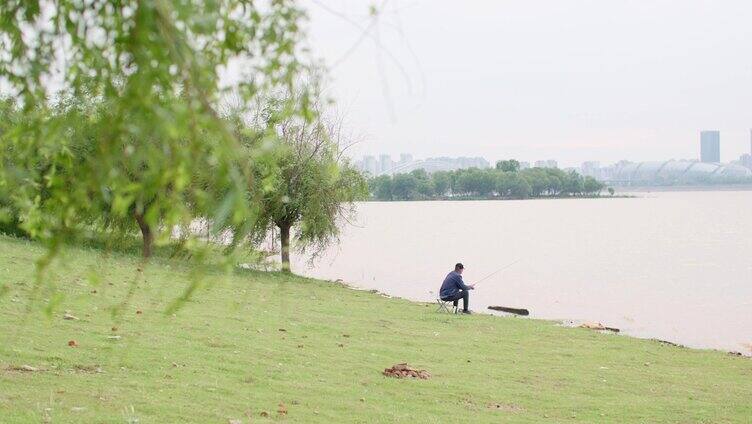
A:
(459, 266)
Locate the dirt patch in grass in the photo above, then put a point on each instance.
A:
(23, 368)
(505, 407)
(405, 371)
(87, 369)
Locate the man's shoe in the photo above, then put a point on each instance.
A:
(467, 312)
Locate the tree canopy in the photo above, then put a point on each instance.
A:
(118, 111)
(312, 189)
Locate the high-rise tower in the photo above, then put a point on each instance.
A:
(710, 146)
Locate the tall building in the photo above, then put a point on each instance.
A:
(448, 164)
(546, 164)
(385, 164)
(370, 165)
(405, 158)
(710, 146)
(745, 160)
(590, 168)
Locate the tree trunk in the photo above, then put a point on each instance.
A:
(146, 235)
(284, 236)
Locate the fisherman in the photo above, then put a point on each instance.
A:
(453, 289)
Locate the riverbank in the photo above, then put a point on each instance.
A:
(255, 344)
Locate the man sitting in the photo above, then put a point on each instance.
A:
(453, 289)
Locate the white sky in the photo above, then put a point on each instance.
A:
(571, 80)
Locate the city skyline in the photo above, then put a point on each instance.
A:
(743, 148)
(709, 153)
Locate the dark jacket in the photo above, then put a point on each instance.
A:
(452, 285)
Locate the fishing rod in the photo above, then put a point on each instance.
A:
(496, 272)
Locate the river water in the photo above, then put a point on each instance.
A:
(675, 266)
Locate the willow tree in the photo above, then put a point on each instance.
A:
(158, 153)
(313, 190)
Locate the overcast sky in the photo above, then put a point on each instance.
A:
(571, 80)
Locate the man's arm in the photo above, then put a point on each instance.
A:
(461, 284)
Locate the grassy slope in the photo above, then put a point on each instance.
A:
(233, 362)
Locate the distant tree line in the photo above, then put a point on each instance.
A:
(505, 181)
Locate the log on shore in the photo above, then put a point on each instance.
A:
(516, 311)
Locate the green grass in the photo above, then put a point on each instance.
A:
(223, 356)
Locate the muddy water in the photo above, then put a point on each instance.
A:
(672, 265)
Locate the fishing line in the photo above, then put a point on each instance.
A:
(496, 272)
